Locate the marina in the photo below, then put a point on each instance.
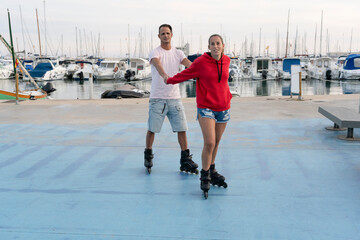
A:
(71, 89)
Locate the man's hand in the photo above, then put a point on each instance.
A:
(165, 79)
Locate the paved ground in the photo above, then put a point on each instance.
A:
(74, 170)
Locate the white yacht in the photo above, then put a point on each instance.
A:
(323, 68)
(139, 69)
(234, 69)
(45, 70)
(286, 68)
(262, 68)
(246, 66)
(112, 69)
(6, 69)
(351, 68)
(84, 70)
(57, 73)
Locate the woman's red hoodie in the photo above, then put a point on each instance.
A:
(212, 91)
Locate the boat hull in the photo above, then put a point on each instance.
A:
(23, 95)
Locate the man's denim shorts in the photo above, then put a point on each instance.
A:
(172, 108)
(219, 117)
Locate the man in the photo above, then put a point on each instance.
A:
(165, 99)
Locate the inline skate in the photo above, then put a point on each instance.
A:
(205, 182)
(216, 178)
(187, 164)
(148, 156)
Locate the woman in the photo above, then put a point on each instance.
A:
(213, 96)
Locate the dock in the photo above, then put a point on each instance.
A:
(73, 169)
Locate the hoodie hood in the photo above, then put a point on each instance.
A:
(212, 88)
(224, 60)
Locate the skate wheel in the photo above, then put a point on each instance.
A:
(225, 185)
(196, 171)
(205, 195)
(149, 170)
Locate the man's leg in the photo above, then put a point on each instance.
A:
(182, 139)
(178, 123)
(150, 136)
(155, 122)
(186, 162)
(148, 154)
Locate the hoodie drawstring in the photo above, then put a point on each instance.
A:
(219, 74)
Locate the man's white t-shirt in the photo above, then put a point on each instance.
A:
(171, 61)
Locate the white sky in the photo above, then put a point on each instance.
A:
(195, 19)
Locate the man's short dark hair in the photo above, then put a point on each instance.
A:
(165, 25)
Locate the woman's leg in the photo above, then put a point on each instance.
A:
(219, 130)
(208, 130)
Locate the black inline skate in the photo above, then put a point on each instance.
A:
(205, 181)
(148, 156)
(216, 178)
(187, 164)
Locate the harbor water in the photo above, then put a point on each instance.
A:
(71, 89)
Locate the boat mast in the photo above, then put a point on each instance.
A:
(45, 30)
(315, 40)
(321, 31)
(85, 42)
(22, 31)
(276, 44)
(327, 42)
(287, 35)
(351, 40)
(12, 45)
(296, 38)
(245, 48)
(62, 45)
(98, 47)
(37, 19)
(252, 45)
(260, 42)
(80, 43)
(304, 44)
(77, 52)
(92, 43)
(14, 60)
(129, 43)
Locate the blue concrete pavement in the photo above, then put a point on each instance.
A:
(288, 179)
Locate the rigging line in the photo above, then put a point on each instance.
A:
(29, 38)
(48, 40)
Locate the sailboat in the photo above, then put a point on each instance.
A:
(27, 94)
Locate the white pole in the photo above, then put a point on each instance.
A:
(91, 86)
(300, 93)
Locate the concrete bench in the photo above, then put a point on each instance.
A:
(342, 118)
